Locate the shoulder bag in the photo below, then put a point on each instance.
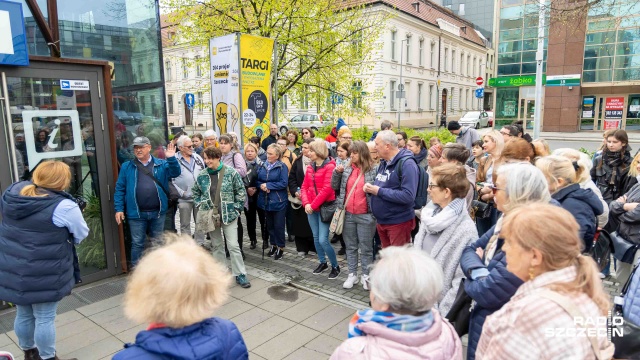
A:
(627, 345)
(208, 220)
(460, 313)
(328, 208)
(172, 194)
(337, 222)
(623, 250)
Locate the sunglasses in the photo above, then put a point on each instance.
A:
(494, 189)
(189, 147)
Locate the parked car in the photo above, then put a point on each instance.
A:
(491, 118)
(300, 121)
(476, 119)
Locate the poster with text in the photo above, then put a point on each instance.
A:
(256, 55)
(613, 107)
(224, 83)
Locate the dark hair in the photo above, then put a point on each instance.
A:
(311, 133)
(295, 133)
(513, 130)
(386, 125)
(477, 143)
(452, 177)
(197, 135)
(403, 134)
(308, 140)
(419, 141)
(225, 138)
(518, 124)
(360, 147)
(621, 136)
(255, 140)
(456, 152)
(518, 149)
(345, 146)
(213, 152)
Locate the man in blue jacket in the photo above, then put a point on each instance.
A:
(392, 203)
(141, 194)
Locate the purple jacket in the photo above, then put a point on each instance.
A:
(440, 342)
(394, 202)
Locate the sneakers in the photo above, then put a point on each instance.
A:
(351, 280)
(335, 271)
(342, 251)
(322, 267)
(243, 281)
(302, 253)
(365, 282)
(278, 254)
(291, 238)
(273, 250)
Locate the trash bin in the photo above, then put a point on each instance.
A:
(176, 129)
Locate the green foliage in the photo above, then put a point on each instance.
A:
(91, 250)
(586, 151)
(364, 134)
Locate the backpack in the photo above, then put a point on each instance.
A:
(423, 183)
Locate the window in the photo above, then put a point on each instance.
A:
(462, 66)
(462, 100)
(170, 103)
(469, 65)
(453, 61)
(431, 95)
(198, 66)
(140, 73)
(285, 102)
(392, 93)
(200, 105)
(421, 52)
(406, 91)
(356, 102)
(408, 46)
(419, 97)
(446, 58)
(167, 67)
(433, 55)
(393, 45)
(305, 98)
(185, 69)
(474, 66)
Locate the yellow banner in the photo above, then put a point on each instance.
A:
(255, 84)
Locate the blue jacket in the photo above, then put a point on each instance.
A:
(36, 256)
(124, 197)
(584, 205)
(211, 339)
(489, 293)
(631, 308)
(394, 202)
(277, 180)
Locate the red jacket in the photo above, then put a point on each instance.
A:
(322, 176)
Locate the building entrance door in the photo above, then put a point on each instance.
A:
(527, 108)
(57, 111)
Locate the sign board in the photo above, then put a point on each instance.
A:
(508, 81)
(613, 107)
(13, 38)
(401, 94)
(587, 106)
(563, 80)
(337, 99)
(479, 81)
(480, 93)
(189, 100)
(82, 85)
(612, 124)
(634, 108)
(60, 123)
(225, 92)
(113, 70)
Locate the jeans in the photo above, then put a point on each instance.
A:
(358, 234)
(231, 234)
(396, 234)
(321, 239)
(276, 223)
(150, 222)
(186, 209)
(35, 328)
(253, 214)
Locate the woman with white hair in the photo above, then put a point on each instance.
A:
(402, 323)
(210, 138)
(175, 289)
(483, 262)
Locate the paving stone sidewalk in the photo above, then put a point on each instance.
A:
(277, 322)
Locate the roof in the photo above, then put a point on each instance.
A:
(429, 12)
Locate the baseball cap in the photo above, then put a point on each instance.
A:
(141, 140)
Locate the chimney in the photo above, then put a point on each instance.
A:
(416, 6)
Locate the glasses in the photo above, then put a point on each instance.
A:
(305, 133)
(494, 189)
(347, 138)
(281, 144)
(189, 147)
(505, 133)
(431, 186)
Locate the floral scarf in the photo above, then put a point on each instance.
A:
(305, 163)
(404, 323)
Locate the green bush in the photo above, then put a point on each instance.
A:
(364, 134)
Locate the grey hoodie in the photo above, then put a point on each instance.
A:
(471, 176)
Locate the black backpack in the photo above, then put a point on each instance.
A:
(423, 183)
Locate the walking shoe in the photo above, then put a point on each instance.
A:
(365, 282)
(243, 281)
(302, 253)
(351, 280)
(273, 250)
(265, 245)
(253, 245)
(291, 238)
(322, 267)
(279, 254)
(31, 354)
(335, 239)
(335, 271)
(342, 251)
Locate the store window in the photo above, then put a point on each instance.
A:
(506, 105)
(633, 112)
(588, 113)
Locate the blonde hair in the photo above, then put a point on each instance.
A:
(277, 149)
(54, 175)
(498, 139)
(583, 161)
(633, 169)
(343, 130)
(541, 147)
(319, 147)
(178, 284)
(555, 168)
(560, 245)
(252, 145)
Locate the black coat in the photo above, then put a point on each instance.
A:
(300, 223)
(584, 205)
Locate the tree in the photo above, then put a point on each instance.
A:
(322, 46)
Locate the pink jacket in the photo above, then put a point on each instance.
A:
(440, 342)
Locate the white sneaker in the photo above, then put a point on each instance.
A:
(365, 282)
(351, 280)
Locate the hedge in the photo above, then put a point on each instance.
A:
(364, 134)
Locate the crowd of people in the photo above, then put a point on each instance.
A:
(502, 248)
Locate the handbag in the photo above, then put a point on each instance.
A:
(481, 209)
(626, 346)
(601, 249)
(337, 221)
(460, 313)
(623, 250)
(328, 208)
(208, 220)
(172, 194)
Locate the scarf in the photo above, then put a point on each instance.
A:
(492, 245)
(305, 164)
(434, 220)
(214, 171)
(270, 165)
(421, 156)
(404, 323)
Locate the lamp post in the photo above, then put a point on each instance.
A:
(537, 111)
(401, 85)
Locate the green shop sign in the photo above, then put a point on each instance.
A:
(524, 80)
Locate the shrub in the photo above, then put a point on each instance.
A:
(363, 133)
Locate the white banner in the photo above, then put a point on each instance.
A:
(225, 92)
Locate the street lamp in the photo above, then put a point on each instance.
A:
(401, 85)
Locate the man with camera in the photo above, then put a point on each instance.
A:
(142, 194)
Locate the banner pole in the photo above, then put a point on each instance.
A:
(274, 90)
(240, 109)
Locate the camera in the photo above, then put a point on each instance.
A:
(82, 204)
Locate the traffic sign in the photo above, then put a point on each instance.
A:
(337, 99)
(479, 81)
(480, 93)
(189, 100)
(401, 94)
(400, 87)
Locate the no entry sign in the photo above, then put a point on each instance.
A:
(479, 81)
